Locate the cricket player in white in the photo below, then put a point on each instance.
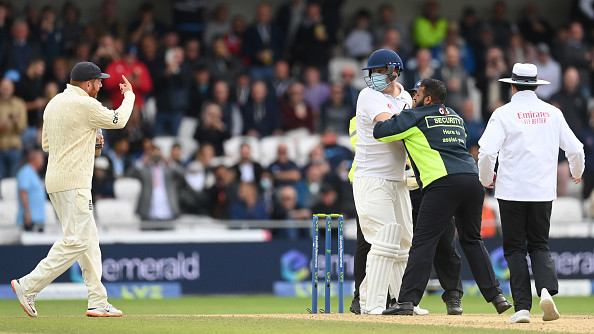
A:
(379, 185)
(71, 120)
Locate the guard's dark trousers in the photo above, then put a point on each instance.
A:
(525, 228)
(461, 196)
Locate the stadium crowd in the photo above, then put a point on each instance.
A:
(266, 76)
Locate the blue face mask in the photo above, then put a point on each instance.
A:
(378, 81)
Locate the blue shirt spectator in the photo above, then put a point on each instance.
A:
(31, 193)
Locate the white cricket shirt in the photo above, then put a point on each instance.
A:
(526, 134)
(374, 158)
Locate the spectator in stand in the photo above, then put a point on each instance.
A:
(50, 36)
(158, 196)
(146, 24)
(502, 28)
(308, 189)
(262, 44)
(282, 79)
(242, 89)
(358, 42)
(175, 156)
(193, 55)
(429, 29)
(30, 88)
(571, 101)
(211, 129)
(223, 193)
(13, 122)
(534, 28)
(316, 91)
(5, 24)
(519, 51)
(388, 22)
(289, 17)
(23, 49)
(422, 67)
(106, 51)
(172, 92)
(193, 197)
(234, 37)
(31, 193)
(219, 25)
(200, 90)
(470, 28)
(455, 78)
(336, 111)
(102, 182)
(248, 170)
(347, 74)
(295, 113)
(60, 73)
(222, 64)
(313, 42)
(286, 208)
(576, 52)
(199, 174)
(283, 170)
(392, 40)
(136, 72)
(466, 54)
(334, 153)
(328, 201)
(32, 17)
(149, 55)
(549, 70)
(71, 27)
(108, 23)
(260, 114)
(493, 93)
(82, 52)
(474, 125)
(248, 206)
(119, 156)
(232, 116)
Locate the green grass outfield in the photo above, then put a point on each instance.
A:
(180, 316)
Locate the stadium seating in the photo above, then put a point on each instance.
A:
(8, 189)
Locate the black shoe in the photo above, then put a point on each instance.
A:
(355, 306)
(404, 308)
(501, 304)
(454, 306)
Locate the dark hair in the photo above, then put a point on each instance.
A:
(434, 88)
(525, 87)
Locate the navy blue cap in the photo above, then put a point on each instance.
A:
(85, 71)
(417, 85)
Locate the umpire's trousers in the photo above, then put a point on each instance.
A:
(525, 227)
(461, 196)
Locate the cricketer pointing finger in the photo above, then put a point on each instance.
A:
(71, 120)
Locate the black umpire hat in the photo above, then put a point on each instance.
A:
(85, 71)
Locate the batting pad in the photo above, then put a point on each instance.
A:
(383, 254)
(398, 271)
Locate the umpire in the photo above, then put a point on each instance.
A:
(435, 138)
(525, 134)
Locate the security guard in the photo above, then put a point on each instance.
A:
(525, 135)
(435, 138)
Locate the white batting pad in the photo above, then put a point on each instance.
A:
(383, 254)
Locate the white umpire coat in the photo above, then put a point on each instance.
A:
(526, 134)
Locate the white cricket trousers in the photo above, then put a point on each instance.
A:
(80, 243)
(380, 202)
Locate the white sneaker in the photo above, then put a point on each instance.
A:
(107, 310)
(547, 305)
(419, 311)
(520, 317)
(28, 303)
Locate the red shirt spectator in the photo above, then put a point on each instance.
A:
(136, 72)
